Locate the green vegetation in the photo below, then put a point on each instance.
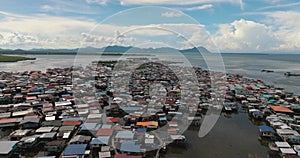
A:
(13, 58)
(106, 61)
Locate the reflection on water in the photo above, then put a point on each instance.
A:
(233, 136)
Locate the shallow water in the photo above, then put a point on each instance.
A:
(234, 136)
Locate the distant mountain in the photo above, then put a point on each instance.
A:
(195, 50)
(116, 49)
(109, 49)
(54, 50)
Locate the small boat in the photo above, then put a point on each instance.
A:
(178, 139)
(268, 71)
(256, 114)
(297, 149)
(227, 108)
(291, 74)
(273, 146)
(267, 132)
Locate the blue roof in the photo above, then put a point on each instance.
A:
(101, 140)
(130, 108)
(73, 119)
(162, 119)
(141, 130)
(267, 96)
(265, 128)
(75, 149)
(130, 147)
(272, 101)
(257, 113)
(125, 134)
(90, 126)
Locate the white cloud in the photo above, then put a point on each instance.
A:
(177, 2)
(47, 8)
(175, 35)
(288, 28)
(42, 30)
(60, 32)
(280, 31)
(171, 14)
(201, 7)
(280, 6)
(244, 35)
(101, 2)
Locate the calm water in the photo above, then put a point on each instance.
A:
(234, 135)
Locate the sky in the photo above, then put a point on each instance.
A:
(223, 25)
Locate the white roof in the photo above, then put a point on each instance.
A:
(50, 118)
(285, 126)
(7, 146)
(253, 110)
(82, 106)
(67, 135)
(106, 126)
(44, 129)
(20, 132)
(94, 116)
(22, 113)
(105, 148)
(104, 154)
(287, 132)
(63, 103)
(282, 144)
(174, 137)
(149, 141)
(287, 151)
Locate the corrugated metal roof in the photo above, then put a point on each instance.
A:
(7, 146)
(104, 132)
(130, 147)
(75, 149)
(125, 135)
(103, 140)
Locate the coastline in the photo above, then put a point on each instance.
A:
(5, 58)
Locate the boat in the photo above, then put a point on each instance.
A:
(297, 149)
(227, 108)
(267, 132)
(268, 71)
(291, 74)
(256, 114)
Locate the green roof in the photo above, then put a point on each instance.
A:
(66, 128)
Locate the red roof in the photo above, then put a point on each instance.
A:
(68, 123)
(31, 97)
(104, 132)
(113, 120)
(10, 120)
(283, 109)
(126, 156)
(33, 116)
(172, 131)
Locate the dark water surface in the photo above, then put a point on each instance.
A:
(234, 136)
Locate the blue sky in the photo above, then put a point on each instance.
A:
(226, 25)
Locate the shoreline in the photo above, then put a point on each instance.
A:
(5, 58)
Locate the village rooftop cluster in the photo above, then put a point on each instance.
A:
(80, 112)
